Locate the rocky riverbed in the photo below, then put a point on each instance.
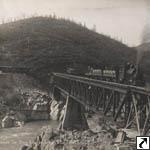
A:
(34, 106)
(22, 99)
(101, 134)
(97, 137)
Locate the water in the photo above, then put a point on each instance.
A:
(15, 138)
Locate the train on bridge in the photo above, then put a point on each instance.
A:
(127, 74)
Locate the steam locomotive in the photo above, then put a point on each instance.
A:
(127, 74)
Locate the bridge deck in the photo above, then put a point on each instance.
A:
(109, 85)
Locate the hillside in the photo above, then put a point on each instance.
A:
(144, 47)
(49, 44)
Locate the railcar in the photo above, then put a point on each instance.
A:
(127, 74)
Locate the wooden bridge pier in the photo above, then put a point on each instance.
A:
(74, 117)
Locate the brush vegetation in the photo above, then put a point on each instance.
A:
(47, 44)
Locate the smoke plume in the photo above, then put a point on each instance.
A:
(146, 31)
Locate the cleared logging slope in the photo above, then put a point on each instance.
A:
(46, 44)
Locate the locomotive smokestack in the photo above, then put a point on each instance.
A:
(139, 57)
(139, 73)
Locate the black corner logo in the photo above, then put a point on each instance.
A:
(143, 142)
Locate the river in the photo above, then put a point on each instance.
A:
(15, 138)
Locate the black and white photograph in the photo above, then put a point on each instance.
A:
(74, 74)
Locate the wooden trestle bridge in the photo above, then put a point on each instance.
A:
(130, 103)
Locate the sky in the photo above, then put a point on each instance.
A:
(125, 20)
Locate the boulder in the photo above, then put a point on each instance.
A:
(13, 119)
(55, 114)
(20, 119)
(40, 106)
(56, 109)
(26, 148)
(8, 121)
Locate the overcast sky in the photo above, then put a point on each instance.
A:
(122, 19)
